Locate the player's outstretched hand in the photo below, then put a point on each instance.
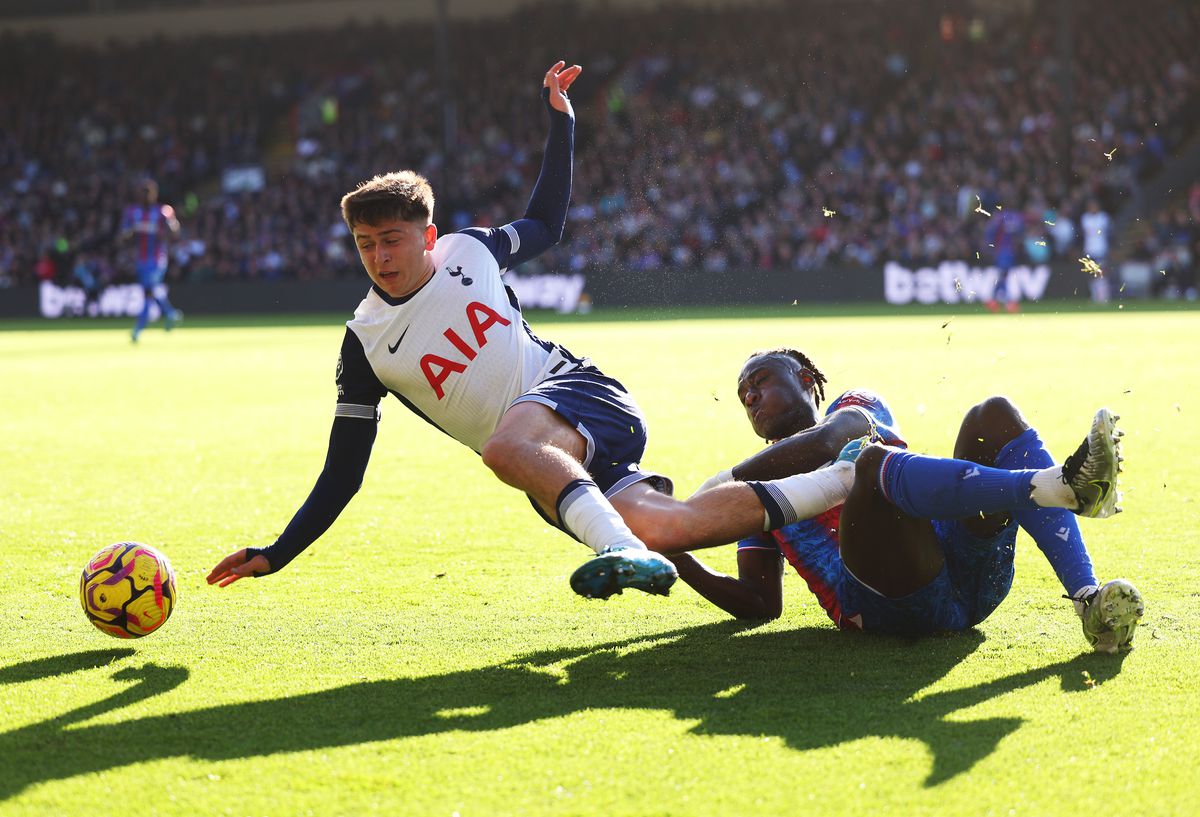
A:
(236, 566)
(558, 80)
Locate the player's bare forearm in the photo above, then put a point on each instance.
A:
(806, 451)
(759, 597)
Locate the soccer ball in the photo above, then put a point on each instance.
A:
(127, 590)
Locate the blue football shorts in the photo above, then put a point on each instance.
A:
(975, 578)
(150, 274)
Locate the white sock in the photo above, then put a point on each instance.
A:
(1050, 491)
(803, 496)
(587, 514)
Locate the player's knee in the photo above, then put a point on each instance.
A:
(995, 412)
(499, 453)
(987, 428)
(868, 462)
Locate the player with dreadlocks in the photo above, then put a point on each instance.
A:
(726, 509)
(910, 544)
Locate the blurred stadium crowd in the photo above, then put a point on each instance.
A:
(795, 136)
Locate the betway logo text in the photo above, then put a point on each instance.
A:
(558, 292)
(953, 281)
(115, 300)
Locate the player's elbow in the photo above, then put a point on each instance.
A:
(341, 486)
(843, 427)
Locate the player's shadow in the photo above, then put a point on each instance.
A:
(814, 688)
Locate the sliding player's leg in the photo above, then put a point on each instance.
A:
(730, 511)
(995, 433)
(895, 572)
(537, 450)
(1026, 487)
(935, 488)
(893, 552)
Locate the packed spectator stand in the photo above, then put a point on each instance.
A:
(799, 135)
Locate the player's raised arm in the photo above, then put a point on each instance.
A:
(552, 191)
(544, 219)
(170, 219)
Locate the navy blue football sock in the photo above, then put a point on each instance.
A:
(934, 488)
(1056, 530)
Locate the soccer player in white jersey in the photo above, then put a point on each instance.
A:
(440, 331)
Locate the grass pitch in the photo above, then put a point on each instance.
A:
(428, 657)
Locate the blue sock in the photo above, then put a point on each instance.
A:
(168, 311)
(1056, 530)
(143, 318)
(933, 488)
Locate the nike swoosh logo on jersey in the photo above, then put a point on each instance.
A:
(392, 348)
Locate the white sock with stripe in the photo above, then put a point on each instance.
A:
(803, 496)
(590, 517)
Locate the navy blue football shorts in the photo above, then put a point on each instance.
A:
(602, 410)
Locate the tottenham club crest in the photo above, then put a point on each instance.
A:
(458, 273)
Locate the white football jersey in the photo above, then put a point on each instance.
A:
(457, 351)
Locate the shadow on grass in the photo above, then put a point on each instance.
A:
(814, 688)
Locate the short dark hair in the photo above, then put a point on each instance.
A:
(403, 195)
(819, 379)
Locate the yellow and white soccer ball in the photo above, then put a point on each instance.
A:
(128, 590)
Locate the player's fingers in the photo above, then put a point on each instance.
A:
(253, 567)
(225, 565)
(554, 69)
(218, 572)
(242, 571)
(567, 77)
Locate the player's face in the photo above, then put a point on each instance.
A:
(395, 254)
(778, 397)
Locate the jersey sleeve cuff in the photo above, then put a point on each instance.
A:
(357, 411)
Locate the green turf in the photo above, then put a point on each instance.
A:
(428, 657)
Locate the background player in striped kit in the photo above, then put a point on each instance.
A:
(146, 225)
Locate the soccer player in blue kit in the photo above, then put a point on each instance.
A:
(916, 544)
(147, 224)
(439, 330)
